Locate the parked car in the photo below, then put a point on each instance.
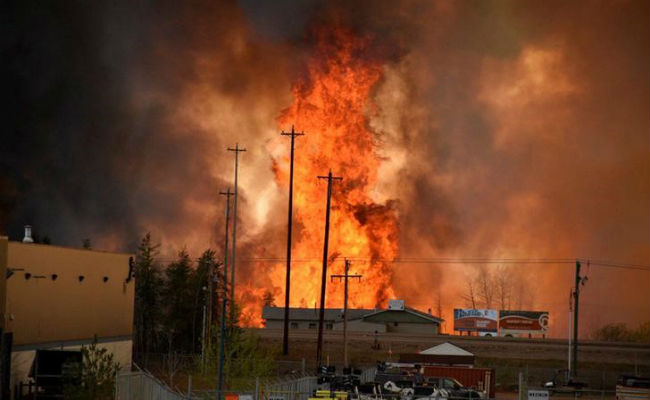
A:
(630, 387)
(563, 383)
(454, 388)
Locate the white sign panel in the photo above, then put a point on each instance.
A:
(538, 395)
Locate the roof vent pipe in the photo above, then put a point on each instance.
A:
(28, 234)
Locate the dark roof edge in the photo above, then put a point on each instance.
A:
(410, 311)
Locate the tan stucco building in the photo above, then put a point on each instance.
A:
(55, 297)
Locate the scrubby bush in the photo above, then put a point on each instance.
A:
(619, 332)
(94, 377)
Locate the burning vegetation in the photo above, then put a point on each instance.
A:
(331, 104)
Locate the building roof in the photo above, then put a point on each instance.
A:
(336, 314)
(406, 315)
(61, 247)
(446, 349)
(311, 314)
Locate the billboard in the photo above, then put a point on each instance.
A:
(470, 320)
(523, 322)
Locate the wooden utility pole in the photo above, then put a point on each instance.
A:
(237, 150)
(224, 293)
(321, 317)
(576, 297)
(345, 278)
(569, 335)
(287, 285)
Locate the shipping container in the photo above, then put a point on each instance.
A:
(480, 378)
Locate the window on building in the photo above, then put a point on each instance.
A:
(312, 325)
(294, 325)
(329, 326)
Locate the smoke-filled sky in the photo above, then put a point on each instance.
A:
(505, 129)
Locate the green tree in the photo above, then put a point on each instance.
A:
(178, 300)
(147, 299)
(94, 377)
(245, 358)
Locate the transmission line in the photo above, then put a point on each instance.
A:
(403, 260)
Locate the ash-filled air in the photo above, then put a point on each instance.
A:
(511, 129)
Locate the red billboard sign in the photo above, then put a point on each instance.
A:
(470, 320)
(533, 322)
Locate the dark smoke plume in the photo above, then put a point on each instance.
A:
(510, 129)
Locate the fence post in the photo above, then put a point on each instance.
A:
(128, 385)
(189, 386)
(521, 385)
(257, 388)
(117, 385)
(526, 382)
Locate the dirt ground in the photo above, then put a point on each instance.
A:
(538, 359)
(303, 344)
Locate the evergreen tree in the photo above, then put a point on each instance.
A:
(244, 356)
(178, 300)
(147, 296)
(94, 377)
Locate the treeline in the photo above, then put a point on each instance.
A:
(496, 287)
(170, 300)
(621, 333)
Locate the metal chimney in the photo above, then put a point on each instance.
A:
(28, 234)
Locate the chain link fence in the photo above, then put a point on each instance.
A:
(296, 389)
(141, 385)
(267, 389)
(595, 378)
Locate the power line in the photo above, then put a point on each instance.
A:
(605, 264)
(618, 265)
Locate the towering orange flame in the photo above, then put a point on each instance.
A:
(331, 104)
